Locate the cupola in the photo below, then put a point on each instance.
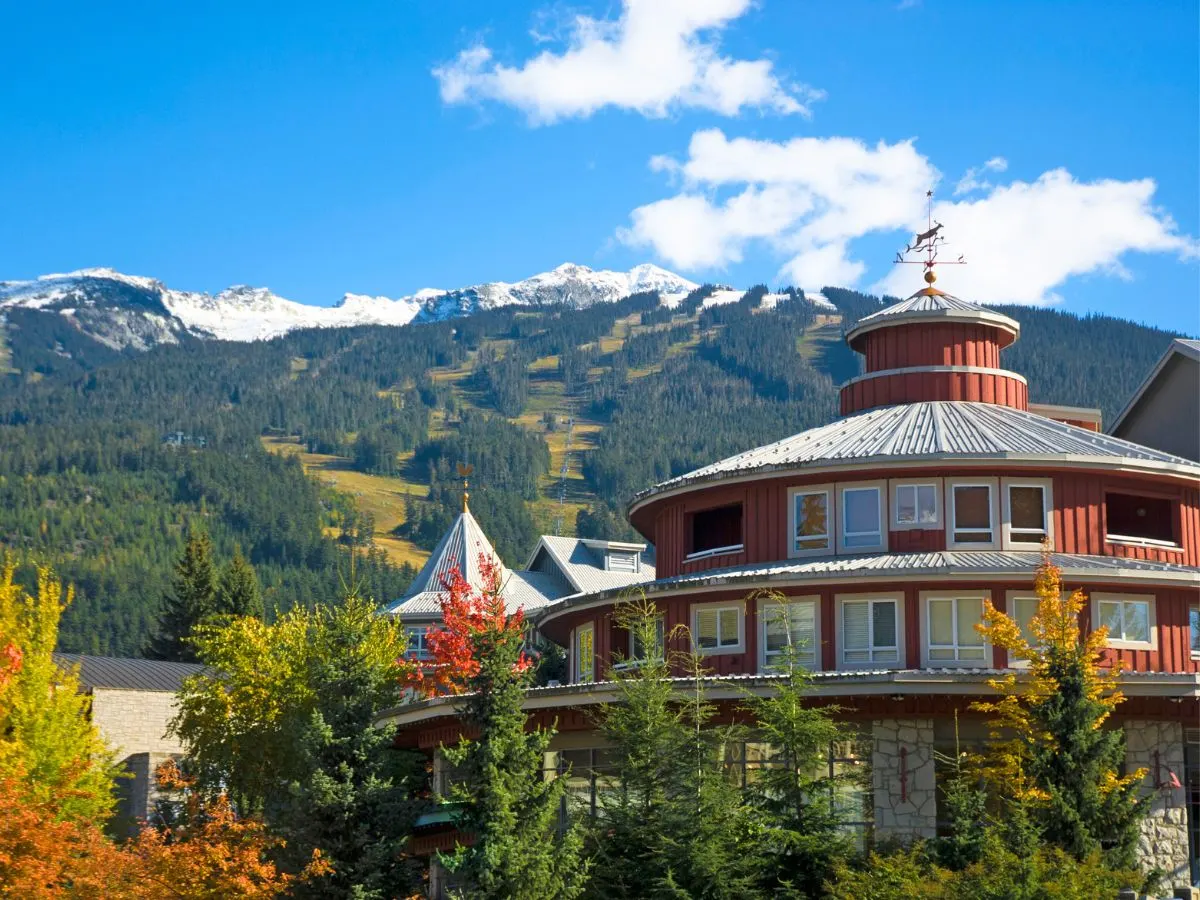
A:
(933, 346)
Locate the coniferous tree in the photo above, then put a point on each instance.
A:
(193, 598)
(238, 592)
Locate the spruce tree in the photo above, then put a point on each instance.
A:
(193, 598)
(238, 592)
(520, 850)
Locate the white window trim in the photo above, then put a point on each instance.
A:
(1195, 653)
(1010, 598)
(984, 662)
(1152, 616)
(881, 490)
(764, 619)
(842, 599)
(993, 484)
(576, 674)
(1047, 486)
(421, 633)
(1130, 540)
(830, 519)
(717, 606)
(936, 483)
(632, 660)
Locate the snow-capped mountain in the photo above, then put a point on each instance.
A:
(130, 311)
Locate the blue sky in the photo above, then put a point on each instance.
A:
(380, 147)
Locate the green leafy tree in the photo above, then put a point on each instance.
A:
(238, 591)
(508, 806)
(284, 719)
(193, 598)
(676, 824)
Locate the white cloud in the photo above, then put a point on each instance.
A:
(808, 198)
(1023, 240)
(658, 56)
(971, 180)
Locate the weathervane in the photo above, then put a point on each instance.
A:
(464, 472)
(928, 242)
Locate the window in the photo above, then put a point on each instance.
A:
(716, 531)
(972, 515)
(637, 650)
(417, 647)
(717, 629)
(870, 631)
(793, 624)
(951, 636)
(862, 519)
(585, 653)
(1194, 627)
(1022, 609)
(1128, 617)
(916, 505)
(622, 561)
(1027, 506)
(811, 521)
(1140, 520)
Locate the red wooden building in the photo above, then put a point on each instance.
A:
(885, 531)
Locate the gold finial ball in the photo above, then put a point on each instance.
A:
(930, 278)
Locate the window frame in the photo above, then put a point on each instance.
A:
(718, 606)
(1047, 486)
(1151, 617)
(1010, 599)
(1193, 644)
(764, 665)
(993, 486)
(939, 522)
(414, 635)
(633, 659)
(830, 519)
(1132, 540)
(929, 597)
(690, 531)
(881, 490)
(576, 656)
(840, 600)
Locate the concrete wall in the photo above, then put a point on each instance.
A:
(902, 776)
(1158, 748)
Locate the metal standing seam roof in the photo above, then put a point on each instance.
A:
(521, 590)
(126, 673)
(936, 430)
(579, 563)
(930, 303)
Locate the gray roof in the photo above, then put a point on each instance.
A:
(583, 566)
(521, 590)
(930, 431)
(1185, 347)
(931, 304)
(126, 673)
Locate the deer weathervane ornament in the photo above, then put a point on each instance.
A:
(464, 472)
(928, 242)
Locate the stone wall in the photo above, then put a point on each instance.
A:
(902, 776)
(135, 721)
(1158, 748)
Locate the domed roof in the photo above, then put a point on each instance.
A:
(930, 304)
(927, 432)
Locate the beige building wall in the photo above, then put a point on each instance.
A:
(135, 721)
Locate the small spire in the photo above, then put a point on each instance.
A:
(464, 472)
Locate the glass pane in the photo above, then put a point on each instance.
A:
(729, 627)
(1025, 509)
(970, 614)
(970, 653)
(585, 653)
(927, 504)
(906, 504)
(1110, 616)
(942, 653)
(941, 625)
(812, 521)
(861, 516)
(973, 507)
(856, 656)
(854, 625)
(972, 537)
(883, 619)
(1137, 621)
(1194, 622)
(885, 655)
(1023, 611)
(706, 628)
(803, 617)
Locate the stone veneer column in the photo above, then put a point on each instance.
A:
(1164, 841)
(902, 779)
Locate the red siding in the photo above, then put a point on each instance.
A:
(911, 387)
(925, 344)
(917, 540)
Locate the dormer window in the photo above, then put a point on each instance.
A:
(621, 561)
(715, 531)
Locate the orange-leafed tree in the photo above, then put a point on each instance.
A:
(1054, 757)
(468, 616)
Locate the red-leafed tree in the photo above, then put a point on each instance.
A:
(470, 619)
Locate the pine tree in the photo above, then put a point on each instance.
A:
(509, 807)
(238, 592)
(193, 598)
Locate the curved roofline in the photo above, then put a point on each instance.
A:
(894, 462)
(978, 317)
(910, 370)
(786, 576)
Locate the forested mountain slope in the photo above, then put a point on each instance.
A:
(107, 458)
